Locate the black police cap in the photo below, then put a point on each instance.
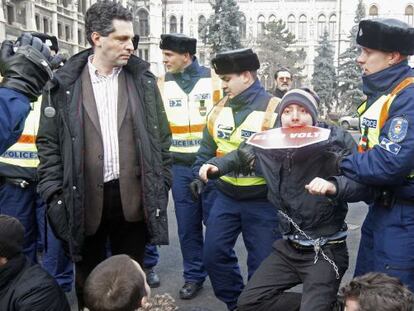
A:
(235, 61)
(178, 43)
(386, 34)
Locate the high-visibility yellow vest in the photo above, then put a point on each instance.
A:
(187, 113)
(373, 118)
(24, 152)
(228, 137)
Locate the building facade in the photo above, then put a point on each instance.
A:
(306, 19)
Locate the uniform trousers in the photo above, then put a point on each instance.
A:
(190, 217)
(256, 220)
(387, 242)
(27, 206)
(121, 236)
(287, 267)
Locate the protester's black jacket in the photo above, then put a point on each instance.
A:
(288, 171)
(26, 287)
(60, 148)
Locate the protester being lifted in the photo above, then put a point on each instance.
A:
(313, 251)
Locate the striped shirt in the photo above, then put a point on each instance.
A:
(105, 89)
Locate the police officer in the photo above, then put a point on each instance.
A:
(25, 70)
(241, 205)
(19, 198)
(386, 148)
(189, 92)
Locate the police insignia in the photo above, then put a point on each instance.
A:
(398, 129)
(390, 146)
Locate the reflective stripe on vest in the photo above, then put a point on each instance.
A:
(24, 152)
(372, 119)
(187, 113)
(228, 138)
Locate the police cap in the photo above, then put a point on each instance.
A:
(235, 61)
(179, 43)
(386, 34)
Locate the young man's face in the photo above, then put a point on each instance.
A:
(284, 81)
(233, 84)
(351, 305)
(175, 62)
(372, 61)
(117, 47)
(295, 115)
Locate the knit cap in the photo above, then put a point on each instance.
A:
(304, 97)
(11, 236)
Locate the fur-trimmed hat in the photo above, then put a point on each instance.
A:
(386, 34)
(235, 61)
(11, 236)
(304, 97)
(179, 43)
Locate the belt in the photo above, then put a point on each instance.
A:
(18, 182)
(310, 248)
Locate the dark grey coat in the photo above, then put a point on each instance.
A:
(60, 143)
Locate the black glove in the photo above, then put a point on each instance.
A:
(246, 156)
(28, 69)
(196, 187)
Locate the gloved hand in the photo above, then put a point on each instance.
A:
(247, 157)
(196, 187)
(28, 69)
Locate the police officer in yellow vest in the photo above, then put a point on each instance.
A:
(19, 198)
(241, 205)
(189, 92)
(386, 157)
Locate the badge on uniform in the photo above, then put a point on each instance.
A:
(398, 129)
(390, 146)
(202, 108)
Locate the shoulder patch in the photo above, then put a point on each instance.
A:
(390, 146)
(398, 129)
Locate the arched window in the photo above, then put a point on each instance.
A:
(291, 23)
(373, 11)
(182, 24)
(272, 18)
(173, 24)
(302, 28)
(142, 25)
(321, 25)
(332, 26)
(260, 25)
(242, 27)
(409, 13)
(201, 26)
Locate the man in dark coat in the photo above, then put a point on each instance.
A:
(24, 286)
(104, 160)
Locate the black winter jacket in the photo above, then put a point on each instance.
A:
(288, 171)
(60, 149)
(26, 287)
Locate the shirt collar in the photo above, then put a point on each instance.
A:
(93, 71)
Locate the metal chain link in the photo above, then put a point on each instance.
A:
(316, 244)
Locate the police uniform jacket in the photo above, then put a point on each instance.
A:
(14, 108)
(389, 163)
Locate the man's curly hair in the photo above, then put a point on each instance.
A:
(159, 303)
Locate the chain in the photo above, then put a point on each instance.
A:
(315, 242)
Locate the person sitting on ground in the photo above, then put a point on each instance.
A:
(377, 292)
(23, 285)
(313, 251)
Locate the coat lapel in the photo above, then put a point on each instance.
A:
(122, 98)
(88, 99)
